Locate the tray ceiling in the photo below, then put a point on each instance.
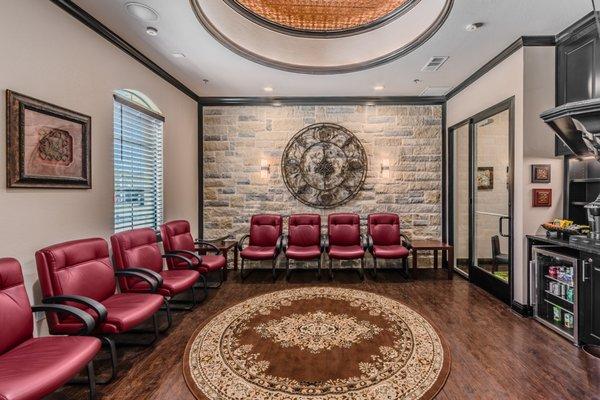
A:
(234, 76)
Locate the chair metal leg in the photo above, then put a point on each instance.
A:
(242, 277)
(330, 269)
(91, 380)
(361, 272)
(169, 315)
(405, 267)
(374, 267)
(319, 269)
(112, 348)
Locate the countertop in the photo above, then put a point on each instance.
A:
(565, 243)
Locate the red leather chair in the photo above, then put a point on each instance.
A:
(386, 241)
(79, 273)
(138, 248)
(265, 243)
(303, 241)
(344, 240)
(177, 239)
(31, 368)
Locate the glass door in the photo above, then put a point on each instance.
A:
(491, 200)
(459, 143)
(480, 152)
(491, 250)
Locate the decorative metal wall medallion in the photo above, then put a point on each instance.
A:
(324, 165)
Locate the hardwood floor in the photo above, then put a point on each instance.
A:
(496, 354)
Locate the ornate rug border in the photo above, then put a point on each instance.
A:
(428, 395)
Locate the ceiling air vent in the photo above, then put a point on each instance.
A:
(436, 91)
(434, 63)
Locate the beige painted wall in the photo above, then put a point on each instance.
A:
(528, 75)
(49, 55)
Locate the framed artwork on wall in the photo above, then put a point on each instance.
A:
(485, 178)
(47, 146)
(542, 197)
(540, 173)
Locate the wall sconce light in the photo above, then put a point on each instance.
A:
(265, 169)
(385, 168)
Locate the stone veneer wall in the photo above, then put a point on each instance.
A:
(237, 138)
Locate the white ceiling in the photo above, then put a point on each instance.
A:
(230, 75)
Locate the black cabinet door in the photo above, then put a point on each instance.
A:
(578, 68)
(589, 300)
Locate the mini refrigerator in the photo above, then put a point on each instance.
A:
(554, 290)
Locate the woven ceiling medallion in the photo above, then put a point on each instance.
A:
(324, 165)
(324, 18)
(317, 343)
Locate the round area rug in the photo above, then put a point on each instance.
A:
(316, 343)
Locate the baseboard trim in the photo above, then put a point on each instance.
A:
(521, 309)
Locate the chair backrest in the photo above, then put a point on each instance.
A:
(384, 228)
(265, 229)
(343, 229)
(137, 248)
(176, 235)
(304, 230)
(16, 321)
(79, 267)
(495, 246)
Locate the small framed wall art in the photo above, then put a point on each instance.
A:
(47, 146)
(542, 197)
(485, 178)
(540, 173)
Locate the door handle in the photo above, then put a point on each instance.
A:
(501, 226)
(584, 265)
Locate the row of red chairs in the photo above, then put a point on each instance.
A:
(343, 241)
(78, 283)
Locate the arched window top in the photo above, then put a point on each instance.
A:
(138, 98)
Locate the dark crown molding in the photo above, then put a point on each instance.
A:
(101, 29)
(276, 101)
(523, 41)
(578, 26)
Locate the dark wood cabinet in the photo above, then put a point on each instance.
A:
(589, 299)
(577, 66)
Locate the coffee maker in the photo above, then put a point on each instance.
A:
(593, 214)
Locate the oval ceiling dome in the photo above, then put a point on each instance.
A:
(322, 36)
(317, 17)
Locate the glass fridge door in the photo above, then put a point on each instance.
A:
(555, 291)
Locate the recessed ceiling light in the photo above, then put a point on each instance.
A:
(141, 11)
(152, 31)
(474, 27)
(268, 89)
(178, 55)
(378, 87)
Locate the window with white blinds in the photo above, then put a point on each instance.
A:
(138, 166)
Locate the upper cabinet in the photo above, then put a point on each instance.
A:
(577, 67)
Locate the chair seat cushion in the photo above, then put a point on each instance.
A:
(391, 252)
(175, 281)
(128, 310)
(37, 367)
(346, 252)
(212, 262)
(502, 258)
(258, 253)
(303, 252)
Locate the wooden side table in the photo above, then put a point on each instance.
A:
(435, 245)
